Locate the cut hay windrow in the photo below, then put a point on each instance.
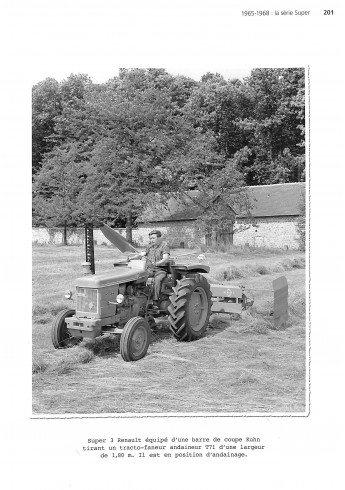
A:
(62, 364)
(234, 272)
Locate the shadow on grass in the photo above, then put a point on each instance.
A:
(105, 346)
(162, 333)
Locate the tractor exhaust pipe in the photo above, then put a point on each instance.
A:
(89, 264)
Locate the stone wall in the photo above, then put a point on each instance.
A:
(273, 232)
(75, 236)
(179, 234)
(266, 232)
(54, 236)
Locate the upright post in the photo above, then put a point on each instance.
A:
(89, 249)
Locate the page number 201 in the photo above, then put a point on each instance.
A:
(328, 12)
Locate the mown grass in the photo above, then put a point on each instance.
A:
(237, 272)
(242, 364)
(222, 248)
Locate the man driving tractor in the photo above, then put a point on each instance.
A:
(157, 256)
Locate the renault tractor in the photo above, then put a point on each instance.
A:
(120, 301)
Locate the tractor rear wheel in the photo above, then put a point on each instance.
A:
(60, 335)
(190, 307)
(135, 339)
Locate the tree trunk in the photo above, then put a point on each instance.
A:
(129, 228)
(65, 233)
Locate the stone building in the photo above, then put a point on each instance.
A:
(273, 222)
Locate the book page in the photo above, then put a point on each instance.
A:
(225, 409)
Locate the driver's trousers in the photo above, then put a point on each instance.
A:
(158, 276)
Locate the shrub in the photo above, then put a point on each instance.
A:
(232, 272)
(262, 270)
(298, 263)
(301, 223)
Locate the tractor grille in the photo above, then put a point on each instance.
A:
(87, 300)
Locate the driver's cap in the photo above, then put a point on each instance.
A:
(155, 232)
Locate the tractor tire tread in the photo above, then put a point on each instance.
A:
(179, 304)
(125, 340)
(57, 331)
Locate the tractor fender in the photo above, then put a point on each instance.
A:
(204, 269)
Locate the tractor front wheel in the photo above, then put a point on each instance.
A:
(135, 339)
(61, 337)
(190, 307)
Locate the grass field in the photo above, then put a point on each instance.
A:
(241, 365)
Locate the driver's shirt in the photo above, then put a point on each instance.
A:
(155, 253)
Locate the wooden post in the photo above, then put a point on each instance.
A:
(65, 233)
(89, 249)
(129, 228)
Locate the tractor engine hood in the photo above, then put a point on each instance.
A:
(129, 273)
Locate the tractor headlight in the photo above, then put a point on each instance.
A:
(120, 298)
(68, 294)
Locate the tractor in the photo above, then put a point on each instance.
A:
(120, 301)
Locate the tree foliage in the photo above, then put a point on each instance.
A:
(275, 129)
(106, 150)
(57, 187)
(46, 105)
(54, 106)
(301, 223)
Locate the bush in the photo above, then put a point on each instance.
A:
(232, 272)
(262, 270)
(301, 223)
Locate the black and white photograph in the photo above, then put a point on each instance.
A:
(171, 245)
(169, 233)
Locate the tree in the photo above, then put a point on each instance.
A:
(275, 129)
(301, 222)
(72, 123)
(104, 151)
(46, 105)
(258, 123)
(141, 151)
(219, 196)
(56, 189)
(218, 105)
(54, 106)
